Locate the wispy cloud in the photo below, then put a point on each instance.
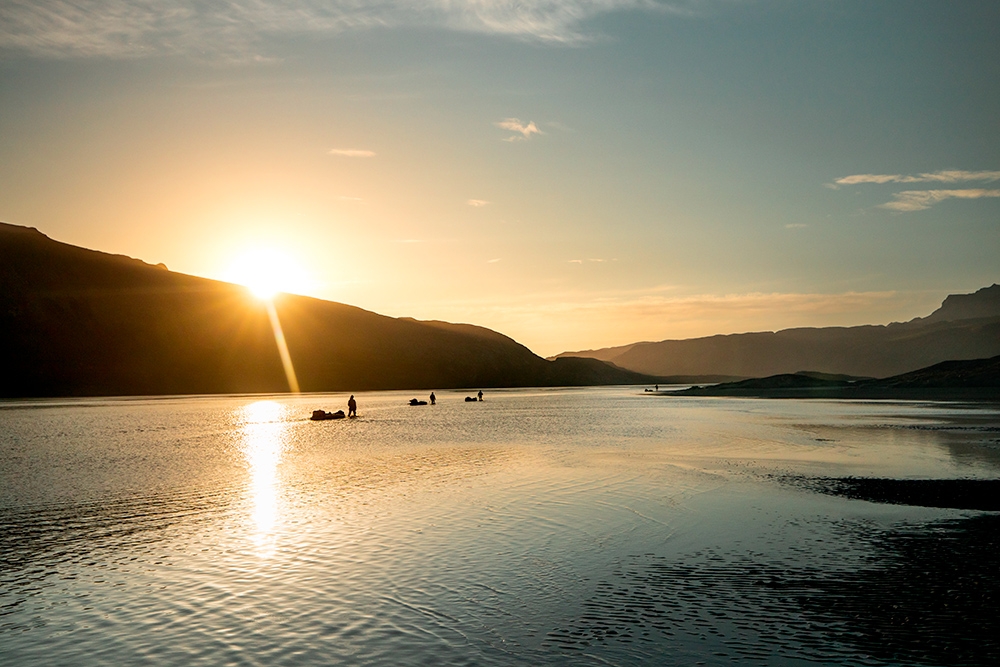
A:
(515, 125)
(946, 176)
(241, 28)
(493, 261)
(918, 200)
(477, 203)
(796, 225)
(556, 125)
(352, 152)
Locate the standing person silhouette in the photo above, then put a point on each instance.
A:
(433, 398)
(352, 407)
(480, 394)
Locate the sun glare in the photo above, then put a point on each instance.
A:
(266, 272)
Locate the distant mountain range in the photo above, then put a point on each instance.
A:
(957, 379)
(77, 322)
(966, 326)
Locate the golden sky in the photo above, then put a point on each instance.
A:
(572, 174)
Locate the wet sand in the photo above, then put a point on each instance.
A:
(921, 595)
(972, 394)
(962, 494)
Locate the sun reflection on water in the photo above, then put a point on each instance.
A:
(264, 437)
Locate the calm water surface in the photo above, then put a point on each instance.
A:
(567, 526)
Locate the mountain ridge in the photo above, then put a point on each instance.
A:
(966, 326)
(75, 322)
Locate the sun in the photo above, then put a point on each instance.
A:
(267, 272)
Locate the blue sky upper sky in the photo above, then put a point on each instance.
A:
(572, 174)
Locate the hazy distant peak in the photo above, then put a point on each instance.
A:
(984, 302)
(604, 353)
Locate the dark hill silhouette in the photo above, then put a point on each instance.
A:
(967, 326)
(77, 322)
(966, 378)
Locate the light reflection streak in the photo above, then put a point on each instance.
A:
(264, 437)
(279, 338)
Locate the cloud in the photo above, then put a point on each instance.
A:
(796, 225)
(556, 125)
(493, 261)
(918, 200)
(352, 152)
(946, 176)
(515, 125)
(240, 29)
(477, 203)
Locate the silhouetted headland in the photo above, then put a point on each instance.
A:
(77, 322)
(957, 379)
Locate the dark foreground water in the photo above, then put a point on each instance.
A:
(595, 526)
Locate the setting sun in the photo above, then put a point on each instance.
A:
(266, 272)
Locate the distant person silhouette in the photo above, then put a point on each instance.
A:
(352, 407)
(657, 387)
(480, 394)
(433, 398)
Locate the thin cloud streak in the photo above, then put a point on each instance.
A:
(559, 126)
(239, 29)
(477, 203)
(946, 176)
(351, 152)
(919, 200)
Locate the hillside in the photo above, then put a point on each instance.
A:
(79, 322)
(966, 326)
(962, 379)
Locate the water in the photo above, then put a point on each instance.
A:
(584, 526)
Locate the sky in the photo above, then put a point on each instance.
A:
(574, 174)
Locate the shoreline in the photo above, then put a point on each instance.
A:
(978, 394)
